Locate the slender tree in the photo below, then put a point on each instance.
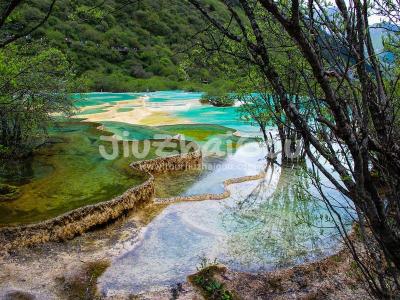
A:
(34, 87)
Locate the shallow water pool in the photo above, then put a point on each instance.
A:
(263, 225)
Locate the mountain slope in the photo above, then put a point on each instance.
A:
(122, 45)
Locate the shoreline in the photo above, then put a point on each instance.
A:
(53, 266)
(48, 262)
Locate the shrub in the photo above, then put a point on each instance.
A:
(208, 284)
(217, 98)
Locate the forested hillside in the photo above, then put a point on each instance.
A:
(131, 45)
(127, 45)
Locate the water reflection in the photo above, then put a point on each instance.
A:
(272, 222)
(22, 171)
(290, 226)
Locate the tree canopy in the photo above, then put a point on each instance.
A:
(35, 83)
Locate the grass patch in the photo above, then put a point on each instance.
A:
(210, 288)
(217, 137)
(198, 132)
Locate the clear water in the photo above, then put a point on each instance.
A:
(170, 96)
(69, 173)
(92, 111)
(200, 113)
(65, 174)
(263, 225)
(246, 161)
(224, 116)
(89, 99)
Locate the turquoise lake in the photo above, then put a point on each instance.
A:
(273, 222)
(192, 109)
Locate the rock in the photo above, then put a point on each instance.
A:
(8, 192)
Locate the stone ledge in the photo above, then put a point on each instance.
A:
(76, 221)
(201, 197)
(82, 219)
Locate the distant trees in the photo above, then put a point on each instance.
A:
(105, 37)
(352, 136)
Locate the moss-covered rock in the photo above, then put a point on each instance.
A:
(8, 192)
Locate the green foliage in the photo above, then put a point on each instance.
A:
(122, 47)
(392, 46)
(34, 85)
(210, 287)
(218, 98)
(257, 109)
(5, 151)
